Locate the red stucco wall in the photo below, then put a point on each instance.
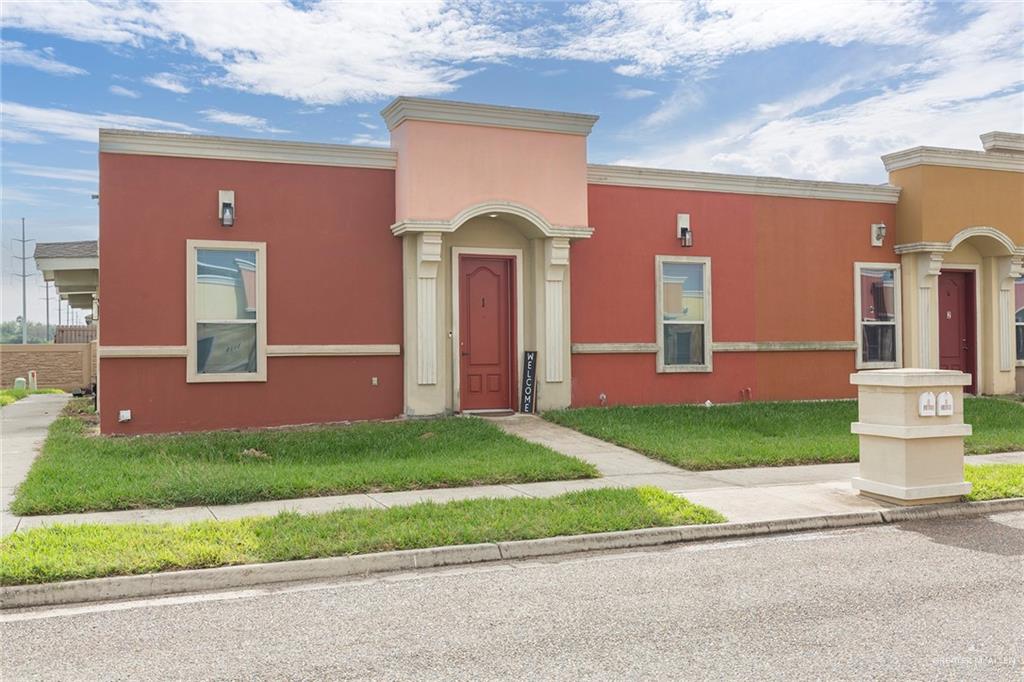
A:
(334, 276)
(782, 270)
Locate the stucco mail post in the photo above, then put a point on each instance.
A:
(911, 429)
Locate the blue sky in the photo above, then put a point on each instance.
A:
(813, 90)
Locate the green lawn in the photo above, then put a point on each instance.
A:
(10, 395)
(67, 552)
(995, 481)
(79, 471)
(768, 434)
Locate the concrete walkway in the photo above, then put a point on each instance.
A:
(755, 494)
(23, 426)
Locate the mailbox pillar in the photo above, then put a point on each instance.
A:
(911, 428)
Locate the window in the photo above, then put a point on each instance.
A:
(1018, 317)
(877, 295)
(684, 313)
(227, 337)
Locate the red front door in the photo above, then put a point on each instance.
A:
(956, 323)
(486, 329)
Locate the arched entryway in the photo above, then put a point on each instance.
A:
(481, 290)
(958, 305)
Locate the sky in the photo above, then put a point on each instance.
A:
(815, 90)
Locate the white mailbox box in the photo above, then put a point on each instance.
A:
(911, 428)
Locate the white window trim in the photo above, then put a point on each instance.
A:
(192, 247)
(1019, 362)
(659, 325)
(858, 324)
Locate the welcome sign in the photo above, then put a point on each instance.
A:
(526, 400)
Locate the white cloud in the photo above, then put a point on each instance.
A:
(121, 91)
(319, 53)
(24, 123)
(169, 82)
(368, 126)
(649, 38)
(958, 86)
(53, 172)
(241, 120)
(367, 139)
(633, 93)
(15, 53)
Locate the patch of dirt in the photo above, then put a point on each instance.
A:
(253, 453)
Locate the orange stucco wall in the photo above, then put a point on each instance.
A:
(334, 276)
(782, 270)
(444, 168)
(936, 202)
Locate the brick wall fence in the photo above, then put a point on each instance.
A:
(59, 365)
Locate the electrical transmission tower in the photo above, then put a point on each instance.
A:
(24, 282)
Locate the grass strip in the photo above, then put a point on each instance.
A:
(80, 472)
(67, 552)
(768, 433)
(995, 481)
(11, 395)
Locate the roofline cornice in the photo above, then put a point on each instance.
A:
(740, 184)
(244, 149)
(960, 158)
(466, 113)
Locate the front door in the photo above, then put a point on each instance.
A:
(956, 323)
(486, 330)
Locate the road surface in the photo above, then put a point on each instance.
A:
(928, 600)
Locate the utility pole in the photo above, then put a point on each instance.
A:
(24, 281)
(46, 286)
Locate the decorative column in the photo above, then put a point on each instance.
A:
(1008, 269)
(929, 265)
(428, 261)
(556, 262)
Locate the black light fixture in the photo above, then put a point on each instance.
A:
(683, 231)
(877, 234)
(226, 207)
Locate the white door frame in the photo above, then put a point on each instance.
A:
(457, 252)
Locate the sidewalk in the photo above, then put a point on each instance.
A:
(23, 426)
(755, 494)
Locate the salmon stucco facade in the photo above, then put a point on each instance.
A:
(251, 283)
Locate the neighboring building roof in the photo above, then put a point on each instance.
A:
(83, 249)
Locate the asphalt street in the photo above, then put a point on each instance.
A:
(927, 600)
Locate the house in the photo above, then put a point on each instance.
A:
(256, 283)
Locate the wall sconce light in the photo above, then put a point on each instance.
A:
(683, 231)
(877, 234)
(226, 207)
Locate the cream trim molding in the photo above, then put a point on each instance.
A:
(720, 347)
(1001, 141)
(781, 346)
(142, 351)
(611, 348)
(500, 207)
(279, 351)
(632, 176)
(960, 158)
(960, 237)
(243, 149)
(334, 350)
(445, 111)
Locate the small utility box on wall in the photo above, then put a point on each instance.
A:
(911, 428)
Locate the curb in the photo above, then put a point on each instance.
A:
(231, 577)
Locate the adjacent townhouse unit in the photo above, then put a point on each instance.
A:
(257, 283)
